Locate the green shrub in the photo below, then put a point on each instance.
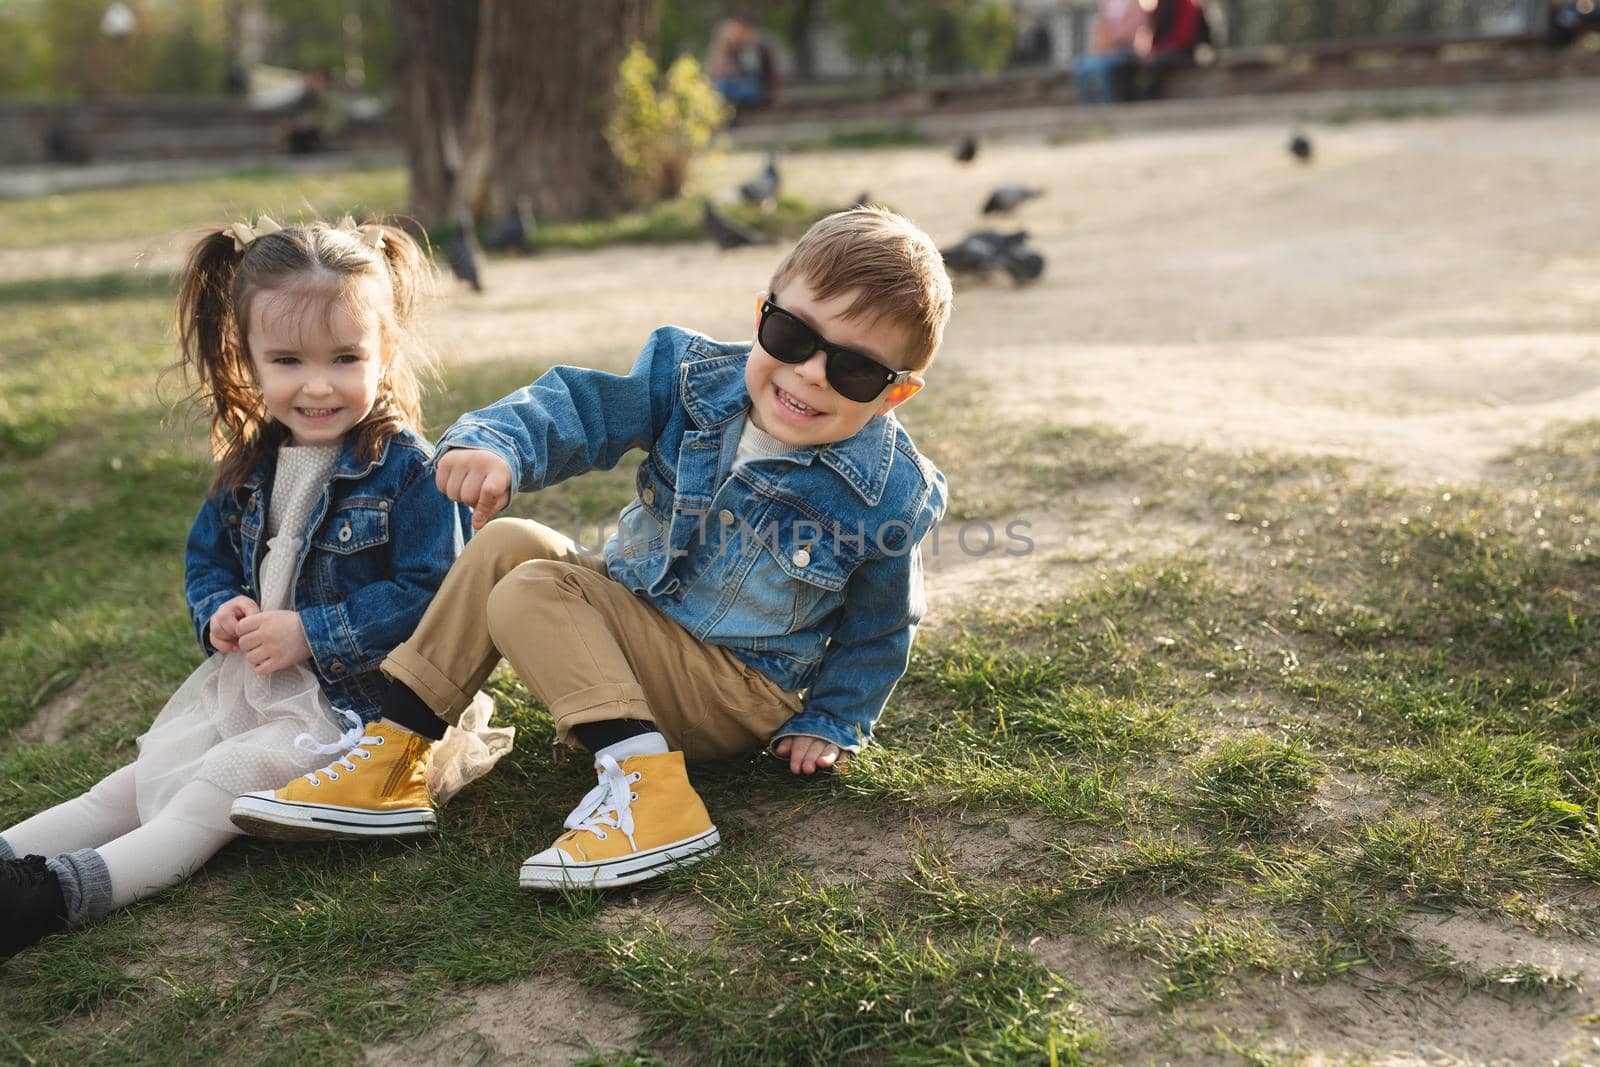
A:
(657, 128)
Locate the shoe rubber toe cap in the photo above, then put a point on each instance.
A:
(551, 857)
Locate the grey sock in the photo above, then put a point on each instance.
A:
(85, 884)
(6, 852)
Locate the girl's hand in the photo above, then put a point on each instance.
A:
(224, 626)
(481, 480)
(273, 640)
(807, 755)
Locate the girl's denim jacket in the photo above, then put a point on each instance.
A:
(372, 555)
(805, 565)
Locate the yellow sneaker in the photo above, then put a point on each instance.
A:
(642, 819)
(377, 789)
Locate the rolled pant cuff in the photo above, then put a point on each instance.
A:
(597, 704)
(442, 695)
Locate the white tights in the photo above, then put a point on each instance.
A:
(142, 859)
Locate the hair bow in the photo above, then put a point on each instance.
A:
(371, 236)
(243, 234)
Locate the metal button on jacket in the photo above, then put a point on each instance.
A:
(649, 494)
(801, 557)
(344, 532)
(725, 517)
(336, 666)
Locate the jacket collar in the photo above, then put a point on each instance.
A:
(347, 465)
(714, 394)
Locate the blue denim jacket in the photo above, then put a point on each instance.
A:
(372, 555)
(804, 565)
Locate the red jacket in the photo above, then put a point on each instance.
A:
(1179, 25)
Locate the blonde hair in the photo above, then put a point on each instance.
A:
(893, 267)
(219, 281)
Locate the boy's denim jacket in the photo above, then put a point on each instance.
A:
(806, 565)
(372, 555)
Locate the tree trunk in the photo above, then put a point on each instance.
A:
(802, 27)
(505, 99)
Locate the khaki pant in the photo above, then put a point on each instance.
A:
(583, 644)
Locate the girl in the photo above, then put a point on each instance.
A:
(320, 542)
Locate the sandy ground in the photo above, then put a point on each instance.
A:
(1422, 298)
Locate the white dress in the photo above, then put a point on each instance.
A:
(237, 731)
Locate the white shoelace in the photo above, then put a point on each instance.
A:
(349, 743)
(609, 803)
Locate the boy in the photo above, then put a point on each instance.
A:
(763, 588)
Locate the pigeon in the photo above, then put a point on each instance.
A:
(763, 187)
(1003, 241)
(967, 150)
(980, 251)
(727, 233)
(1007, 198)
(513, 232)
(463, 256)
(983, 252)
(1300, 147)
(969, 257)
(1023, 264)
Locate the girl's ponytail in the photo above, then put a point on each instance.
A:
(410, 269)
(210, 354)
(411, 365)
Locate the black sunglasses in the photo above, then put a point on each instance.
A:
(852, 375)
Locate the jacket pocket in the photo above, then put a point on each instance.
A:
(797, 577)
(356, 524)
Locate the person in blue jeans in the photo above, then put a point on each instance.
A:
(1104, 74)
(320, 542)
(742, 65)
(763, 587)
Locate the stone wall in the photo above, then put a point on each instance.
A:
(40, 133)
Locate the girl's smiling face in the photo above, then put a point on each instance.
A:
(318, 357)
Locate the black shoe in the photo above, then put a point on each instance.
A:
(31, 904)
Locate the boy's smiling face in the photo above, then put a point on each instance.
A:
(793, 401)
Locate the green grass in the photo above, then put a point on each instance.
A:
(174, 207)
(1196, 959)
(857, 137)
(1252, 785)
(1150, 758)
(170, 207)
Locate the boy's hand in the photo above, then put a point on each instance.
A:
(224, 625)
(273, 640)
(807, 755)
(481, 480)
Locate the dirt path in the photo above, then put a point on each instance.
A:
(1423, 297)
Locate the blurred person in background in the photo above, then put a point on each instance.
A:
(743, 65)
(1171, 38)
(309, 118)
(1104, 74)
